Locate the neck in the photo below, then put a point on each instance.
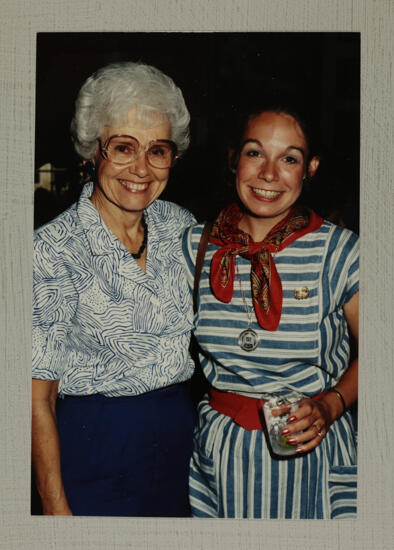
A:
(258, 228)
(124, 224)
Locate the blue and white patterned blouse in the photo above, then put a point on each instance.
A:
(100, 324)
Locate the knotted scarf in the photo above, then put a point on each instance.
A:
(266, 285)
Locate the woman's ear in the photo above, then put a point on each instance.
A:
(313, 166)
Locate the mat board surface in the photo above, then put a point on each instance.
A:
(21, 21)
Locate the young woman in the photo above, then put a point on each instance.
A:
(277, 299)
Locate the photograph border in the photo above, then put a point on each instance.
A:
(374, 526)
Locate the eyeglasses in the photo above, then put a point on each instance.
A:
(122, 149)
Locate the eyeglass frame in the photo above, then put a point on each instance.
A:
(172, 144)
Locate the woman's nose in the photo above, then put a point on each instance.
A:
(139, 166)
(269, 171)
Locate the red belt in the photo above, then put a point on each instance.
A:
(243, 410)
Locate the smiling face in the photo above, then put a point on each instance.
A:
(271, 167)
(134, 186)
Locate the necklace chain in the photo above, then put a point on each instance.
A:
(247, 309)
(248, 339)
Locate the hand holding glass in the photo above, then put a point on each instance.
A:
(277, 409)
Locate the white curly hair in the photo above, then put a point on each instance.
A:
(112, 91)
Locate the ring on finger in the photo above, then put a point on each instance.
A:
(319, 430)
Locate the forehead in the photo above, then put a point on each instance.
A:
(275, 127)
(144, 125)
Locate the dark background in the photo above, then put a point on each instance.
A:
(215, 71)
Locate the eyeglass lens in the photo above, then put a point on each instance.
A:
(125, 149)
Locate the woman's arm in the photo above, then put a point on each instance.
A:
(45, 448)
(348, 384)
(314, 416)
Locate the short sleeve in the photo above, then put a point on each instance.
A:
(51, 314)
(344, 265)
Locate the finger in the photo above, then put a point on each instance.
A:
(299, 425)
(305, 430)
(278, 411)
(312, 433)
(305, 442)
(305, 447)
(302, 411)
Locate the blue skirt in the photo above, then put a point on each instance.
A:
(127, 456)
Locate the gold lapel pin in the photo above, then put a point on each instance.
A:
(301, 293)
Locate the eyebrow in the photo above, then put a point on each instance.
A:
(300, 149)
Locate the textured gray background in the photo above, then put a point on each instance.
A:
(20, 21)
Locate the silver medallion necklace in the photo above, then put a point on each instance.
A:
(248, 339)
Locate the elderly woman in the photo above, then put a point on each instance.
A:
(112, 419)
(278, 295)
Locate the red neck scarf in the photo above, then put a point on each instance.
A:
(265, 282)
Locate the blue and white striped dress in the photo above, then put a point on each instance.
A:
(232, 472)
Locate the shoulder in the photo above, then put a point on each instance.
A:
(329, 236)
(166, 210)
(68, 222)
(192, 234)
(55, 238)
(62, 224)
(341, 262)
(190, 241)
(339, 239)
(170, 217)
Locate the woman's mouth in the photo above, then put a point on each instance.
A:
(266, 195)
(134, 187)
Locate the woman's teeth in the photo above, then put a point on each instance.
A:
(134, 186)
(266, 194)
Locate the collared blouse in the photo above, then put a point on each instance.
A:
(100, 323)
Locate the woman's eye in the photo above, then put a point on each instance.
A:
(158, 151)
(253, 153)
(123, 148)
(289, 159)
